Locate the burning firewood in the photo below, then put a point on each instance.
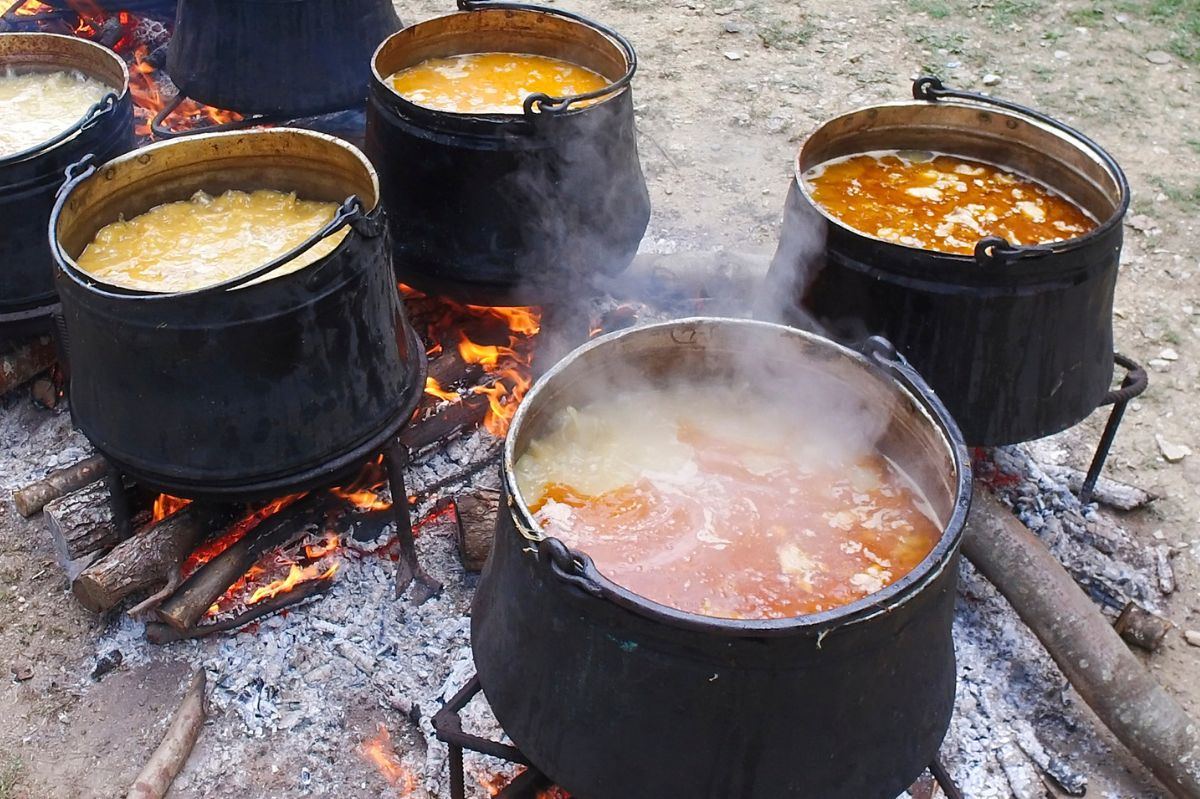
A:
(23, 363)
(184, 609)
(147, 559)
(163, 633)
(449, 421)
(1093, 657)
(81, 523)
(476, 511)
(33, 497)
(156, 777)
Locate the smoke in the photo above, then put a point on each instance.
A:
(797, 261)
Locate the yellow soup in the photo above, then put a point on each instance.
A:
(37, 106)
(491, 83)
(705, 499)
(187, 245)
(942, 202)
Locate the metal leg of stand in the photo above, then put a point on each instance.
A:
(118, 500)
(1132, 385)
(458, 777)
(944, 780)
(408, 567)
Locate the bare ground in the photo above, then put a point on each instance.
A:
(726, 92)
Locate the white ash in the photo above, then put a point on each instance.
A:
(36, 441)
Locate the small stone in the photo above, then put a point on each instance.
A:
(1174, 453)
(953, 64)
(732, 27)
(1158, 57)
(22, 670)
(1169, 354)
(721, 12)
(1122, 19)
(1192, 637)
(1061, 54)
(1159, 365)
(991, 79)
(733, 55)
(1141, 223)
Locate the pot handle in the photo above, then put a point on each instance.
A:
(545, 104)
(994, 250)
(572, 568)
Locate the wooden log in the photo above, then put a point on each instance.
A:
(449, 369)
(26, 361)
(157, 633)
(1163, 569)
(156, 777)
(448, 422)
(1098, 664)
(476, 511)
(33, 497)
(184, 609)
(82, 523)
(143, 561)
(1112, 493)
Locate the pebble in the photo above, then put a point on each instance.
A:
(1061, 54)
(1158, 57)
(1169, 354)
(1192, 637)
(1174, 453)
(1141, 223)
(733, 27)
(22, 670)
(733, 55)
(991, 79)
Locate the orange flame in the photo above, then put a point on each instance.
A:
(296, 575)
(434, 389)
(166, 505)
(379, 751)
(365, 492)
(32, 8)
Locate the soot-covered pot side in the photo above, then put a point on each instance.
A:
(29, 179)
(291, 58)
(509, 207)
(1016, 341)
(239, 389)
(614, 696)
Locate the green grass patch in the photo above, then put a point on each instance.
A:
(778, 30)
(11, 769)
(1086, 17)
(938, 9)
(1182, 18)
(1187, 198)
(1194, 144)
(1006, 12)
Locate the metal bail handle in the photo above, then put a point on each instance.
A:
(541, 103)
(89, 120)
(568, 566)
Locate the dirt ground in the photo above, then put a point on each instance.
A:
(726, 92)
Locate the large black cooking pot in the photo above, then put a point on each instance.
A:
(1017, 341)
(239, 389)
(615, 696)
(29, 179)
(289, 57)
(510, 207)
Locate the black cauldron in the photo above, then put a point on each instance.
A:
(615, 696)
(29, 179)
(283, 57)
(504, 208)
(1017, 341)
(237, 389)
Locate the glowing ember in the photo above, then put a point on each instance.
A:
(508, 366)
(32, 8)
(378, 750)
(166, 505)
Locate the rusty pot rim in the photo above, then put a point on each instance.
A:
(878, 355)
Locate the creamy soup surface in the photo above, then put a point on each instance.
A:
(491, 83)
(942, 202)
(37, 106)
(684, 497)
(191, 244)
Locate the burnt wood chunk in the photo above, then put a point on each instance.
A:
(143, 561)
(82, 523)
(447, 422)
(188, 605)
(26, 361)
(476, 510)
(33, 497)
(1141, 628)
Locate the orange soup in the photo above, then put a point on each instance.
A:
(682, 497)
(491, 83)
(942, 202)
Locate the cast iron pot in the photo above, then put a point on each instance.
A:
(285, 57)
(1016, 340)
(505, 208)
(238, 389)
(614, 696)
(29, 179)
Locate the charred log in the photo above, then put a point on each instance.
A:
(187, 605)
(449, 421)
(143, 561)
(33, 497)
(476, 511)
(23, 363)
(164, 633)
(1141, 628)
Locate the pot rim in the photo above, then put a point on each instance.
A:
(881, 602)
(1075, 138)
(611, 91)
(122, 91)
(88, 282)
